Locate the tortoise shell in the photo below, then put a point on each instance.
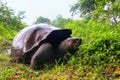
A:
(29, 39)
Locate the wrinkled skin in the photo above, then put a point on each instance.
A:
(42, 55)
(42, 44)
(48, 54)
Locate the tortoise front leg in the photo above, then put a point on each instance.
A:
(41, 56)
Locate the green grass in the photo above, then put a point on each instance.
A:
(73, 70)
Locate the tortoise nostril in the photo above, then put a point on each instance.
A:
(78, 42)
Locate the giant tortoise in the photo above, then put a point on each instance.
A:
(43, 43)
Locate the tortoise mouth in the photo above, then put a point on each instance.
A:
(80, 41)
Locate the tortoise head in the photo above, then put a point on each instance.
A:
(71, 45)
